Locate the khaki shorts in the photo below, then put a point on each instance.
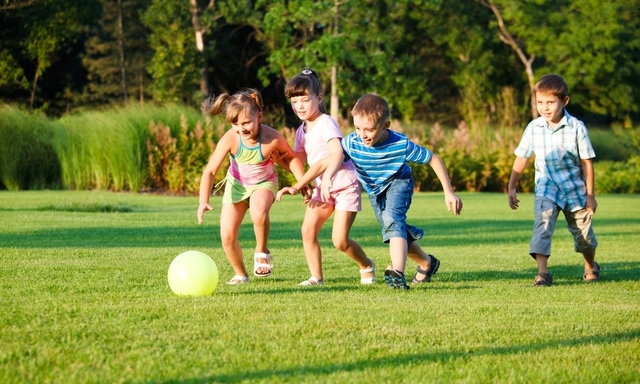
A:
(578, 223)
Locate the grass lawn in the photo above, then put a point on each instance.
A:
(85, 298)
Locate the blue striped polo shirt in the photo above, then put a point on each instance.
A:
(377, 166)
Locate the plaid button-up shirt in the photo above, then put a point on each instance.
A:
(559, 176)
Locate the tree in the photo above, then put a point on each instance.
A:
(116, 56)
(174, 64)
(586, 41)
(41, 31)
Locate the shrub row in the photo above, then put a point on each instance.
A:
(165, 148)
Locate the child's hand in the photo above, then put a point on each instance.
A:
(275, 155)
(592, 204)
(453, 202)
(202, 208)
(289, 190)
(513, 199)
(307, 192)
(325, 189)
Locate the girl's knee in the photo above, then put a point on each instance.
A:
(340, 243)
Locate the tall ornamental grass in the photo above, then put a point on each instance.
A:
(107, 149)
(163, 148)
(28, 159)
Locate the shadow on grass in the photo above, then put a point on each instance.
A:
(562, 274)
(492, 232)
(412, 358)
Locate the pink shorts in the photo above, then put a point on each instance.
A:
(346, 199)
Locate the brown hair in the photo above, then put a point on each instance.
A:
(248, 101)
(552, 84)
(373, 107)
(306, 83)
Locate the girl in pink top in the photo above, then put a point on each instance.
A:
(318, 137)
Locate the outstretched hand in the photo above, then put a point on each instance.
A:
(202, 208)
(289, 190)
(453, 203)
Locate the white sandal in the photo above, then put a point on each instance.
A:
(312, 281)
(238, 279)
(257, 265)
(369, 280)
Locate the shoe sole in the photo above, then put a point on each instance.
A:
(394, 280)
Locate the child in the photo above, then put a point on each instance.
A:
(380, 156)
(564, 177)
(251, 181)
(318, 137)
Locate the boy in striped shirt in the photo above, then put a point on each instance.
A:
(380, 156)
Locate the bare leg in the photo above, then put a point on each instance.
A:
(314, 218)
(541, 260)
(231, 216)
(590, 263)
(417, 254)
(398, 251)
(260, 204)
(342, 223)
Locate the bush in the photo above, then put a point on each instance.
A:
(175, 164)
(165, 148)
(618, 177)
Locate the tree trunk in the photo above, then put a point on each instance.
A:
(121, 43)
(33, 89)
(335, 107)
(508, 39)
(199, 33)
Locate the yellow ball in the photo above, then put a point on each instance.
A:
(193, 273)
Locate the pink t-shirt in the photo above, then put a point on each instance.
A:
(314, 143)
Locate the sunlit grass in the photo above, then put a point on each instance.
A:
(85, 298)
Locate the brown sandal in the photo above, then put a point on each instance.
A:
(595, 272)
(542, 280)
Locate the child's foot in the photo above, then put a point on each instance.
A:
(262, 264)
(238, 279)
(591, 274)
(424, 275)
(395, 279)
(368, 275)
(312, 281)
(543, 279)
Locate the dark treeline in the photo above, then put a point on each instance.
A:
(434, 60)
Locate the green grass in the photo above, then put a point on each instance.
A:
(85, 298)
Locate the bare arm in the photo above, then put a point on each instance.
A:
(451, 199)
(336, 159)
(519, 164)
(208, 175)
(589, 179)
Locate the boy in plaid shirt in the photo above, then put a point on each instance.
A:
(564, 177)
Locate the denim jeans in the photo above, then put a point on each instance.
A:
(390, 208)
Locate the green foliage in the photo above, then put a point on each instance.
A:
(618, 177)
(43, 30)
(176, 163)
(107, 150)
(173, 66)
(102, 58)
(86, 299)
(476, 159)
(28, 159)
